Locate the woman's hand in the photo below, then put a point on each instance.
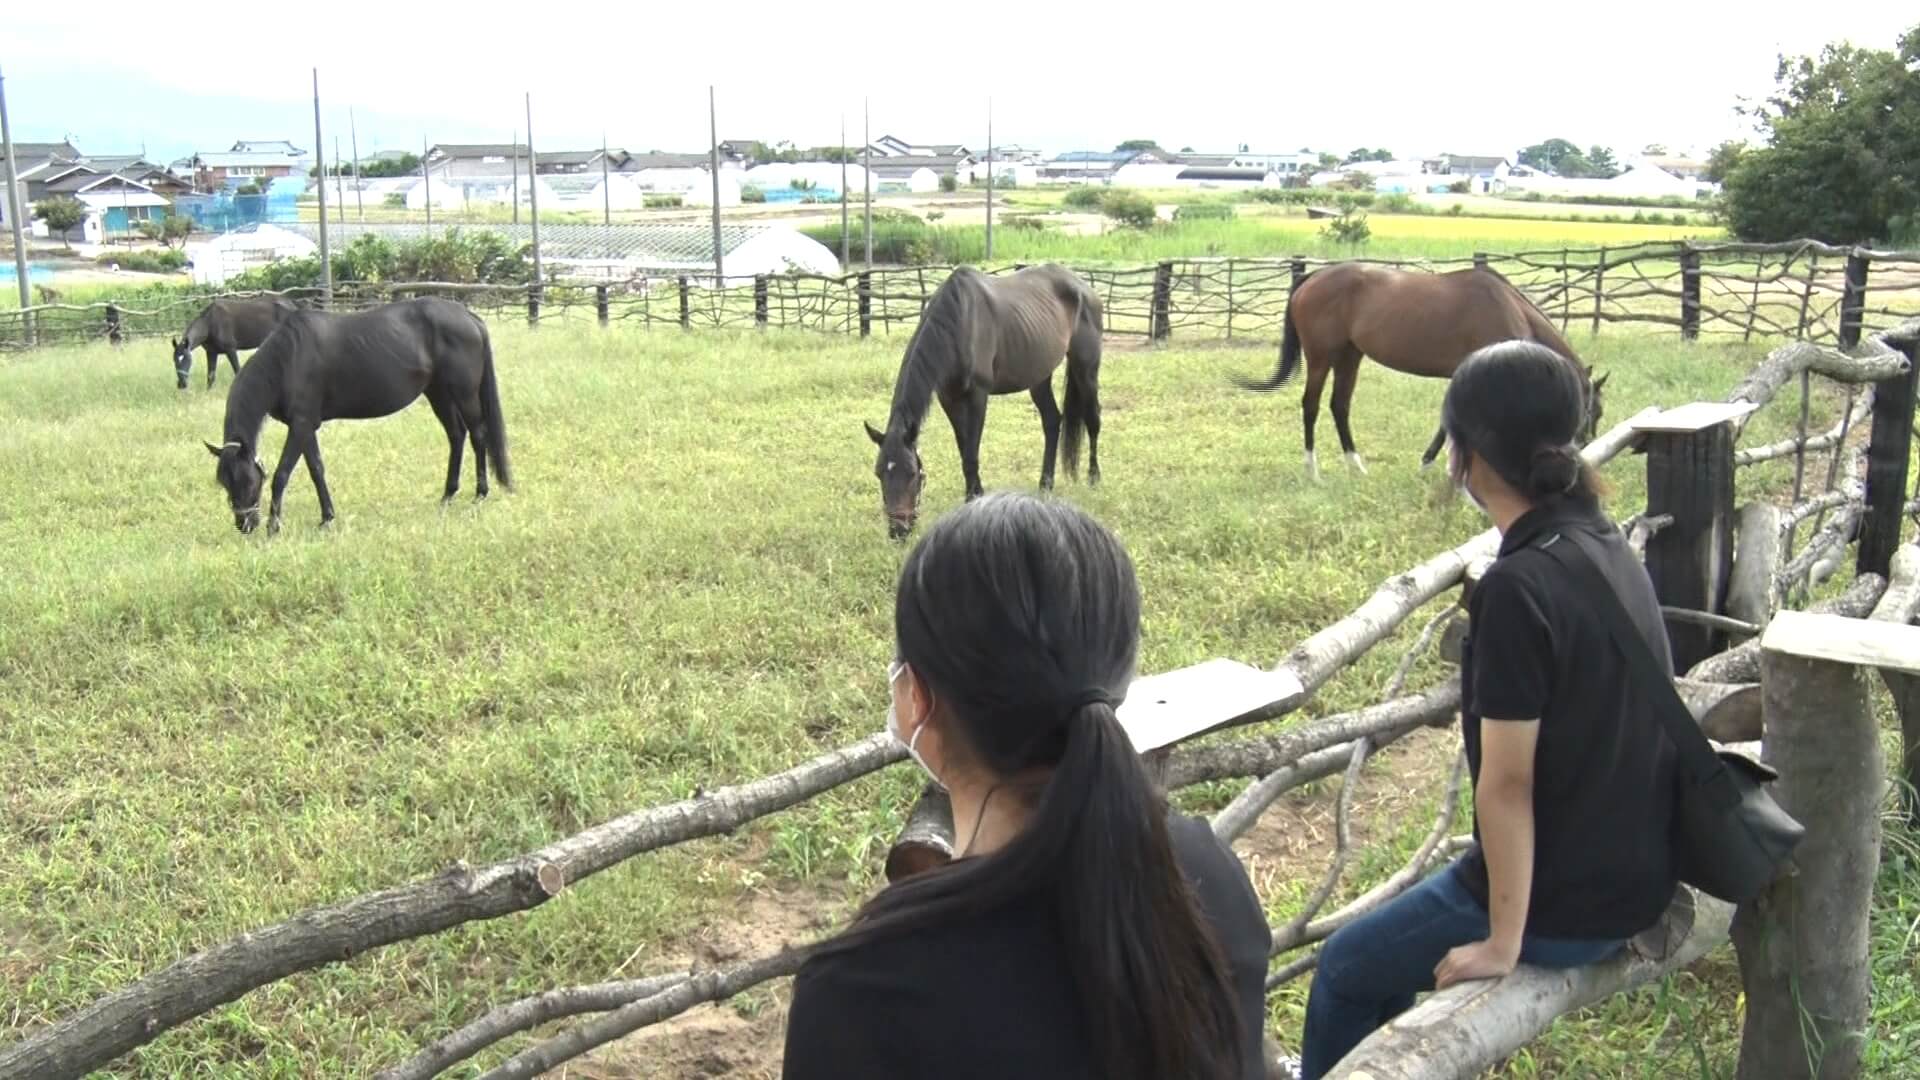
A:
(1480, 960)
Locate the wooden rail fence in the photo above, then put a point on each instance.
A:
(1804, 290)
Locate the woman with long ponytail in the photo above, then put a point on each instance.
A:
(1084, 931)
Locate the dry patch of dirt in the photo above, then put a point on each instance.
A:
(743, 1037)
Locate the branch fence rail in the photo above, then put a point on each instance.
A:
(1804, 290)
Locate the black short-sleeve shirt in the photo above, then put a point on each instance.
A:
(1604, 771)
(992, 996)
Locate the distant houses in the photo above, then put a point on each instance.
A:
(119, 190)
(249, 161)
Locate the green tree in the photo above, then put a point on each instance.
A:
(1551, 155)
(1139, 146)
(1842, 136)
(1329, 161)
(1601, 163)
(62, 213)
(1722, 160)
(1129, 208)
(404, 165)
(171, 230)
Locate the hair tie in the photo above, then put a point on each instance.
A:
(1091, 697)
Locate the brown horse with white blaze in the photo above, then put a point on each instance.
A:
(1410, 321)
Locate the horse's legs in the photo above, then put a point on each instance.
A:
(475, 421)
(1310, 405)
(1050, 426)
(298, 434)
(233, 360)
(318, 473)
(1346, 372)
(1433, 448)
(456, 430)
(968, 415)
(213, 365)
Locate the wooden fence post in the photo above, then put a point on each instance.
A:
(1889, 448)
(1479, 260)
(1690, 477)
(1162, 327)
(866, 303)
(533, 304)
(1689, 294)
(113, 323)
(1806, 294)
(1229, 265)
(760, 300)
(600, 303)
(1853, 301)
(1566, 291)
(686, 303)
(1599, 287)
(1803, 945)
(1297, 267)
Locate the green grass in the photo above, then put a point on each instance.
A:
(207, 733)
(1395, 236)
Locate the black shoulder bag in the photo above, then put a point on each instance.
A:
(1730, 838)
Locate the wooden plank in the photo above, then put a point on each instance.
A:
(1164, 709)
(1698, 416)
(1860, 642)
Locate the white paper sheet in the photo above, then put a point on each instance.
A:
(1163, 709)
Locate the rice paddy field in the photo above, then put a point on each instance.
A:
(207, 732)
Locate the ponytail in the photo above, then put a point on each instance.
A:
(1023, 617)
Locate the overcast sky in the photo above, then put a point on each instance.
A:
(1465, 78)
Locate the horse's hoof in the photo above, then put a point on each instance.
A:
(480, 496)
(273, 525)
(326, 524)
(1313, 467)
(1354, 462)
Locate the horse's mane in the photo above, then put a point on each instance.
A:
(932, 352)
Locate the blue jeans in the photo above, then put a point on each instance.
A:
(1370, 970)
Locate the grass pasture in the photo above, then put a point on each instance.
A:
(207, 733)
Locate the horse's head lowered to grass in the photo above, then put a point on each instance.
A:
(243, 477)
(901, 476)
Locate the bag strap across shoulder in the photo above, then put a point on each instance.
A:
(1698, 759)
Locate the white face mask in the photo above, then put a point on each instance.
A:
(893, 721)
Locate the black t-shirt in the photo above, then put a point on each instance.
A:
(993, 997)
(1604, 771)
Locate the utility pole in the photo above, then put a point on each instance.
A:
(339, 171)
(359, 186)
(13, 202)
(989, 179)
(713, 136)
(844, 250)
(513, 147)
(426, 176)
(866, 150)
(533, 193)
(326, 259)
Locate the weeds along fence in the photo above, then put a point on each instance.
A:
(1722, 575)
(1803, 290)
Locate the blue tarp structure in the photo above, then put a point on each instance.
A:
(224, 212)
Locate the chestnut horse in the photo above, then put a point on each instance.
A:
(1409, 320)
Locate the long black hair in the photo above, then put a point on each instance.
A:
(1023, 618)
(1519, 406)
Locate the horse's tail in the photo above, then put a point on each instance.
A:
(490, 408)
(1081, 411)
(1289, 358)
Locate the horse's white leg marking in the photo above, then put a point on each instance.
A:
(1313, 466)
(1353, 460)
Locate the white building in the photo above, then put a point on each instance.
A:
(215, 261)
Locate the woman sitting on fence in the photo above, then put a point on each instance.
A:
(1084, 931)
(1573, 779)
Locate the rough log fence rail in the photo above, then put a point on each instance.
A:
(1687, 534)
(1803, 290)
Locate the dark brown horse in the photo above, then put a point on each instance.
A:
(318, 367)
(226, 327)
(982, 336)
(1408, 320)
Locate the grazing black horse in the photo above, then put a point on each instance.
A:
(981, 336)
(319, 367)
(227, 326)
